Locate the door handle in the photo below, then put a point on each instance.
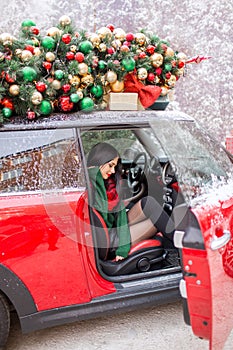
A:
(219, 242)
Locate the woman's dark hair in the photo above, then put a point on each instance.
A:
(101, 153)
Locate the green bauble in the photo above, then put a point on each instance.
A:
(85, 47)
(167, 67)
(45, 107)
(29, 74)
(74, 98)
(28, 23)
(59, 74)
(7, 112)
(97, 91)
(48, 43)
(102, 65)
(87, 104)
(128, 64)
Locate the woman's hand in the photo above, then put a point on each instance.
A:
(118, 258)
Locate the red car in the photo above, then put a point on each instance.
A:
(56, 269)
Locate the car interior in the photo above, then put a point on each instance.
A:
(146, 170)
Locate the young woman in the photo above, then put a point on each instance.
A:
(142, 221)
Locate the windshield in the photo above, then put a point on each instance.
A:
(196, 158)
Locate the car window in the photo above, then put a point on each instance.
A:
(39, 160)
(197, 159)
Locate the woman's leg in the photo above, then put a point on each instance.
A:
(142, 230)
(135, 214)
(149, 208)
(159, 217)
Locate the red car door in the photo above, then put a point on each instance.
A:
(208, 272)
(204, 225)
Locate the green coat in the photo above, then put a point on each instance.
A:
(100, 203)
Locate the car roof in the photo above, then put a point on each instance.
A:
(94, 119)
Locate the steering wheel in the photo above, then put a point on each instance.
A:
(136, 171)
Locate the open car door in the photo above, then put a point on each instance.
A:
(204, 226)
(206, 248)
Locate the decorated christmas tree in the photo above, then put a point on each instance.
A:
(67, 70)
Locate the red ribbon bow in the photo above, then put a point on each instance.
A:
(147, 94)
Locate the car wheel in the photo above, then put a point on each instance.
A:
(4, 321)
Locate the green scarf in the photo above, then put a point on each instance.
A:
(100, 203)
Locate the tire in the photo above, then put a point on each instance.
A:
(4, 321)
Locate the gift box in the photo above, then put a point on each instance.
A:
(160, 104)
(123, 101)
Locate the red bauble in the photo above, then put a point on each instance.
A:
(31, 115)
(142, 54)
(65, 104)
(7, 103)
(35, 30)
(158, 71)
(40, 86)
(127, 43)
(66, 88)
(150, 49)
(66, 38)
(110, 50)
(168, 75)
(181, 64)
(9, 79)
(29, 48)
(47, 65)
(79, 56)
(70, 56)
(111, 27)
(129, 37)
(164, 47)
(151, 76)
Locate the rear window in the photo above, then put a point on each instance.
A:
(39, 160)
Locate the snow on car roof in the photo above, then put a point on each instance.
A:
(93, 119)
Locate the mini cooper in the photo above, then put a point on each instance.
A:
(55, 265)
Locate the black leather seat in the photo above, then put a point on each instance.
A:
(143, 256)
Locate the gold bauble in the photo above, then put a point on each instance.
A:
(102, 47)
(156, 60)
(37, 51)
(74, 80)
(64, 20)
(104, 33)
(54, 32)
(26, 55)
(73, 48)
(87, 80)
(111, 76)
(50, 57)
(142, 73)
(119, 33)
(82, 68)
(116, 44)
(95, 39)
(36, 98)
(18, 52)
(140, 39)
(169, 52)
(56, 84)
(6, 39)
(14, 90)
(117, 86)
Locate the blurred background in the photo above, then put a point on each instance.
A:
(191, 26)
